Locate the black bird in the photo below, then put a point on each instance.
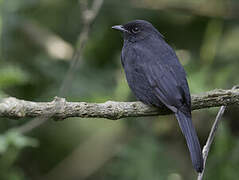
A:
(157, 78)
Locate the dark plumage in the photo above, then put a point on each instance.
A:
(157, 78)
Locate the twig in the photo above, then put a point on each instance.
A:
(61, 109)
(211, 137)
(88, 16)
(31, 125)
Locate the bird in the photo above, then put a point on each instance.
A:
(156, 78)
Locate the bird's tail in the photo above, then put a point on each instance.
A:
(185, 123)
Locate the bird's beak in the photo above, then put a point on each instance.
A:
(119, 28)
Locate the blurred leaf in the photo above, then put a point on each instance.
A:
(211, 40)
(229, 46)
(12, 75)
(15, 139)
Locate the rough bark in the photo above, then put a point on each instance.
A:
(59, 108)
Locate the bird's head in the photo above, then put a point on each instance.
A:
(137, 30)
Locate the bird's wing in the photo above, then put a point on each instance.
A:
(168, 80)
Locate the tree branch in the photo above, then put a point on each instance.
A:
(88, 17)
(211, 137)
(59, 108)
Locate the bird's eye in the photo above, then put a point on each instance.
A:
(135, 29)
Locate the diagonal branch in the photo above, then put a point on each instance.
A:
(211, 137)
(59, 108)
(88, 17)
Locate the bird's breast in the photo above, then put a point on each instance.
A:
(137, 79)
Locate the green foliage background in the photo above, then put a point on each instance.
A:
(205, 35)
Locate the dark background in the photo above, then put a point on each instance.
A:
(38, 38)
